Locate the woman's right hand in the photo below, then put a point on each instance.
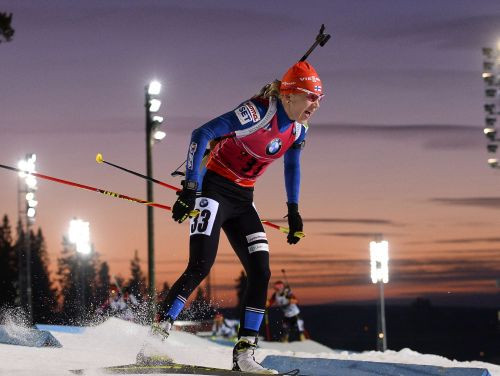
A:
(184, 204)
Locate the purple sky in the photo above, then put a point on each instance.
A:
(396, 148)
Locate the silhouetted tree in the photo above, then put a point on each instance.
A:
(67, 277)
(43, 294)
(119, 281)
(20, 250)
(137, 283)
(77, 276)
(8, 265)
(102, 285)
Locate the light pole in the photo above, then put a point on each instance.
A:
(153, 134)
(28, 212)
(491, 78)
(79, 235)
(379, 260)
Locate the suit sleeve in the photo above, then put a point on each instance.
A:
(244, 116)
(292, 168)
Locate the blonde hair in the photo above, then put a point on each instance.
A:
(272, 89)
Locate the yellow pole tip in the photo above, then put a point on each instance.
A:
(99, 158)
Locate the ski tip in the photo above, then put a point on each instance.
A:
(98, 158)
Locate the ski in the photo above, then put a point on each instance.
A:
(174, 368)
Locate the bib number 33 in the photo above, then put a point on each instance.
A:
(203, 223)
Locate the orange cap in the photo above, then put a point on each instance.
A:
(301, 77)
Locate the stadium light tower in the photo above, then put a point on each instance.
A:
(79, 235)
(153, 134)
(491, 78)
(379, 260)
(27, 213)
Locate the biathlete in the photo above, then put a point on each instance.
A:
(270, 125)
(286, 300)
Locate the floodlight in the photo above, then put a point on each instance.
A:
(31, 182)
(492, 148)
(159, 135)
(490, 133)
(487, 66)
(157, 119)
(154, 105)
(79, 234)
(490, 121)
(491, 93)
(154, 88)
(493, 162)
(379, 257)
(490, 108)
(488, 52)
(31, 212)
(489, 79)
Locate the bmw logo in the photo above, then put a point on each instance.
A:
(273, 147)
(203, 202)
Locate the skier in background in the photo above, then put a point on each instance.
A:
(287, 301)
(262, 129)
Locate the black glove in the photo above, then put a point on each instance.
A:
(185, 203)
(294, 223)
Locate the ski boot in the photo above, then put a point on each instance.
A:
(243, 357)
(162, 329)
(152, 352)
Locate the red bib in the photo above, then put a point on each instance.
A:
(243, 159)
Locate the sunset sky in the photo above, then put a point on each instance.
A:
(396, 148)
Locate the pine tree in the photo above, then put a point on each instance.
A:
(77, 276)
(103, 283)
(89, 264)
(19, 249)
(43, 294)
(8, 265)
(137, 283)
(66, 276)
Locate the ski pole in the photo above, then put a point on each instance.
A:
(117, 285)
(286, 230)
(89, 188)
(99, 159)
(177, 172)
(268, 330)
(285, 278)
(321, 39)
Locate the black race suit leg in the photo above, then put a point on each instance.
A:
(248, 239)
(203, 243)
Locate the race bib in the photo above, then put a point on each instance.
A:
(203, 223)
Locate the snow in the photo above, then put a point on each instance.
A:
(117, 342)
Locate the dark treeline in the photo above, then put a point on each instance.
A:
(73, 292)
